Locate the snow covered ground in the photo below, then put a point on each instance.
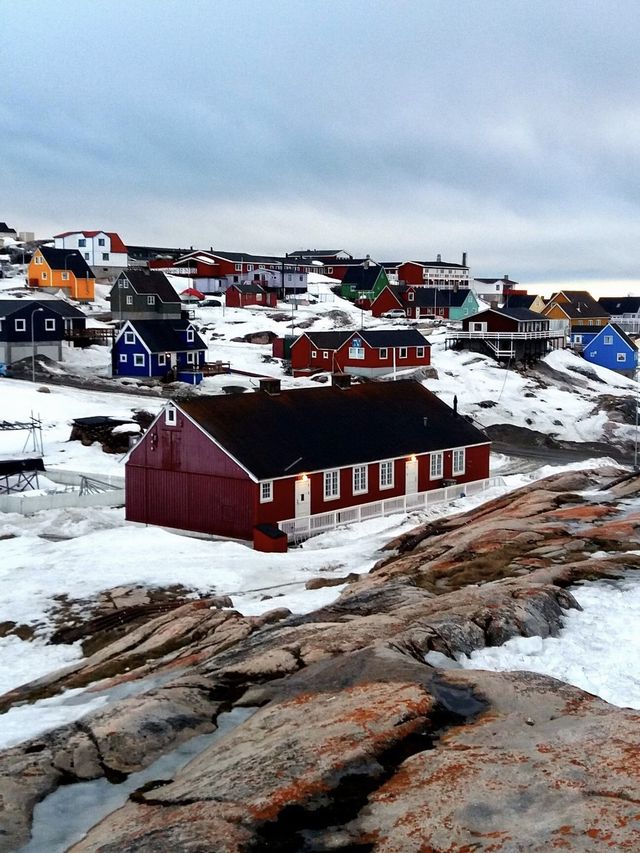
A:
(597, 650)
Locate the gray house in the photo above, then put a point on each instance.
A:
(142, 294)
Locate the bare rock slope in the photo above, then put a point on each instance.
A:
(356, 743)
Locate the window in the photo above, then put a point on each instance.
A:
(266, 492)
(356, 352)
(170, 416)
(151, 300)
(249, 267)
(457, 466)
(45, 275)
(162, 360)
(123, 357)
(403, 352)
(37, 259)
(436, 466)
(129, 300)
(129, 338)
(138, 360)
(82, 243)
(65, 276)
(359, 479)
(314, 353)
(578, 339)
(331, 485)
(86, 256)
(384, 353)
(124, 284)
(386, 475)
(100, 241)
(189, 336)
(621, 356)
(49, 325)
(258, 297)
(191, 358)
(238, 267)
(325, 355)
(105, 256)
(608, 340)
(411, 296)
(329, 269)
(21, 325)
(419, 352)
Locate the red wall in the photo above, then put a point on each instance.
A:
(410, 274)
(495, 322)
(386, 300)
(302, 360)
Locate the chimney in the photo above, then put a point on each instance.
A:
(366, 262)
(270, 386)
(341, 380)
(505, 277)
(438, 258)
(464, 259)
(455, 405)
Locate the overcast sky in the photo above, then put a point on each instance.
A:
(509, 129)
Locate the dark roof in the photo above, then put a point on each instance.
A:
(580, 304)
(437, 263)
(247, 288)
(4, 229)
(58, 306)
(64, 309)
(384, 338)
(317, 429)
(503, 280)
(10, 306)
(150, 282)
(317, 253)
(66, 259)
(620, 304)
(363, 278)
(519, 300)
(164, 335)
(428, 296)
(519, 313)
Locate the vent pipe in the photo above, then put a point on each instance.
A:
(455, 405)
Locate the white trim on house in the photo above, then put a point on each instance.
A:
(332, 494)
(266, 491)
(436, 465)
(360, 479)
(392, 482)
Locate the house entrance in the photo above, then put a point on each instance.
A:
(303, 492)
(411, 476)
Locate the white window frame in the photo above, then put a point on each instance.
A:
(139, 359)
(65, 276)
(458, 461)
(190, 337)
(249, 267)
(266, 491)
(124, 284)
(45, 275)
(356, 353)
(49, 324)
(82, 243)
(101, 241)
(383, 354)
(608, 340)
(360, 479)
(419, 352)
(171, 416)
(129, 300)
(123, 357)
(386, 470)
(621, 356)
(436, 466)
(86, 256)
(191, 358)
(402, 352)
(577, 339)
(411, 296)
(238, 267)
(325, 355)
(331, 484)
(38, 259)
(314, 353)
(162, 360)
(20, 325)
(151, 300)
(129, 337)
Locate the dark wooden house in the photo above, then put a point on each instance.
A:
(142, 294)
(29, 327)
(301, 461)
(507, 334)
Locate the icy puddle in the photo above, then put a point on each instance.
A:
(598, 649)
(64, 817)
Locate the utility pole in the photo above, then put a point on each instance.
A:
(33, 345)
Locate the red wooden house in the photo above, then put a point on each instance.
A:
(436, 273)
(390, 298)
(251, 466)
(362, 353)
(243, 295)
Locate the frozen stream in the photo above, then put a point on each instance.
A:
(598, 649)
(65, 816)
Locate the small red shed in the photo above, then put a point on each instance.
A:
(244, 295)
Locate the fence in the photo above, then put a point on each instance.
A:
(298, 529)
(82, 491)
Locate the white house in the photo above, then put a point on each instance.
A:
(104, 251)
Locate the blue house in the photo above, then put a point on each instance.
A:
(160, 349)
(611, 347)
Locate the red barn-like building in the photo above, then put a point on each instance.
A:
(301, 461)
(243, 295)
(363, 353)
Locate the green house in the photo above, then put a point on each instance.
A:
(363, 282)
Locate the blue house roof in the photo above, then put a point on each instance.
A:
(164, 335)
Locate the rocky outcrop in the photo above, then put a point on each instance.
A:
(359, 744)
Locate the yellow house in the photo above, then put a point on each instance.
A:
(577, 307)
(538, 305)
(62, 269)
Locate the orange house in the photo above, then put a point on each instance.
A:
(576, 308)
(62, 269)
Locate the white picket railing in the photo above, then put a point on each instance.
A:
(298, 529)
